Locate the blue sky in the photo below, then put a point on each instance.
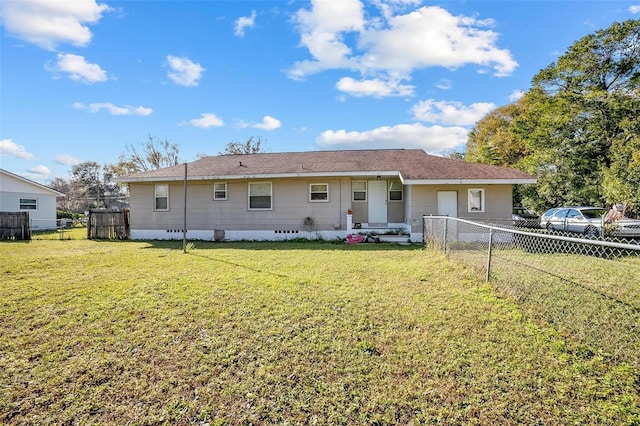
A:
(81, 80)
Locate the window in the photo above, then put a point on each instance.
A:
(359, 190)
(219, 191)
(28, 204)
(395, 191)
(319, 192)
(260, 196)
(476, 200)
(162, 197)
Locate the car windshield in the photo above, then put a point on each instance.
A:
(521, 210)
(593, 213)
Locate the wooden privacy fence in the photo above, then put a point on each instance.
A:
(14, 226)
(108, 224)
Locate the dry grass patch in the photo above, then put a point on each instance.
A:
(259, 333)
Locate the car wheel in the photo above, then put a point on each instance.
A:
(591, 232)
(550, 229)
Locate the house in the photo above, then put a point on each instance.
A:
(318, 194)
(18, 194)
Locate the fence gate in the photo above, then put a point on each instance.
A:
(108, 224)
(14, 226)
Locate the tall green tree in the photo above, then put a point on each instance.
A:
(87, 179)
(577, 128)
(493, 141)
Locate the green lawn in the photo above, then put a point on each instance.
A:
(98, 332)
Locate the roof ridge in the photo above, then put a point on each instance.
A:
(319, 151)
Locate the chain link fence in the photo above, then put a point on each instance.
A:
(589, 288)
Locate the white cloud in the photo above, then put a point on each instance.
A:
(388, 7)
(241, 124)
(431, 36)
(243, 23)
(183, 71)
(66, 160)
(78, 68)
(515, 95)
(322, 32)
(40, 170)
(389, 47)
(376, 87)
(48, 23)
(434, 139)
(114, 109)
(454, 113)
(444, 84)
(634, 8)
(207, 120)
(268, 123)
(12, 149)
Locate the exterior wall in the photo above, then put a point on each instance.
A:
(290, 207)
(12, 190)
(395, 209)
(424, 200)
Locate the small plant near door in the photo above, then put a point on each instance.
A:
(396, 231)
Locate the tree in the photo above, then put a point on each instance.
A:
(492, 140)
(87, 179)
(576, 130)
(92, 187)
(251, 146)
(154, 154)
(594, 88)
(621, 180)
(72, 200)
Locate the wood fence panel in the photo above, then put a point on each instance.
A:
(108, 225)
(15, 226)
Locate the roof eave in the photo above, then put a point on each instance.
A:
(386, 173)
(469, 181)
(39, 185)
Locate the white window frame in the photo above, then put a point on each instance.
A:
(391, 189)
(270, 196)
(27, 203)
(156, 197)
(325, 192)
(216, 191)
(476, 196)
(359, 190)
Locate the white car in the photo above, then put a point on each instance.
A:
(625, 227)
(589, 221)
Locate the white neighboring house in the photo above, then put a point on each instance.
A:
(18, 194)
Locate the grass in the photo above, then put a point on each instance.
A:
(98, 332)
(75, 233)
(594, 299)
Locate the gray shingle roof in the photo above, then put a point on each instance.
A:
(411, 165)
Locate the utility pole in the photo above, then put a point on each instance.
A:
(184, 225)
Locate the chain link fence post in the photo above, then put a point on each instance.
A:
(488, 268)
(444, 235)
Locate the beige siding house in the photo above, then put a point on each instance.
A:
(320, 194)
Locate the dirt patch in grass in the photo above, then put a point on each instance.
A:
(262, 333)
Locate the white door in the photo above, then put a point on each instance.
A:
(448, 206)
(377, 192)
(448, 203)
